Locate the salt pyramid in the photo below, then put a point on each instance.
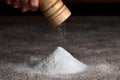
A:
(60, 62)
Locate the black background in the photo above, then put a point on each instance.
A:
(80, 9)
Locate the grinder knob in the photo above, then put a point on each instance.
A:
(55, 11)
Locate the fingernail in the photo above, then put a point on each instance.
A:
(34, 3)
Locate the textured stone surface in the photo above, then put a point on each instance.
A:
(96, 44)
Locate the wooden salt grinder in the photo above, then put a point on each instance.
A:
(55, 11)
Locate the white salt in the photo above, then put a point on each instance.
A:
(59, 62)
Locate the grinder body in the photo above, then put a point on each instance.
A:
(55, 11)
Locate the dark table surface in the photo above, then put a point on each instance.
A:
(94, 40)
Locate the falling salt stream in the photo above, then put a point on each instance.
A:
(61, 32)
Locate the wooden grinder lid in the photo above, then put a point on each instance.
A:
(55, 11)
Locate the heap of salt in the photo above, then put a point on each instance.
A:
(60, 62)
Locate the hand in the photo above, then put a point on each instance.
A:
(24, 5)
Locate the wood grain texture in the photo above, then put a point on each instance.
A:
(55, 11)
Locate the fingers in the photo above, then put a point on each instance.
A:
(15, 3)
(34, 4)
(8, 2)
(24, 5)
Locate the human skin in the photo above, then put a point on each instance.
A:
(24, 5)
